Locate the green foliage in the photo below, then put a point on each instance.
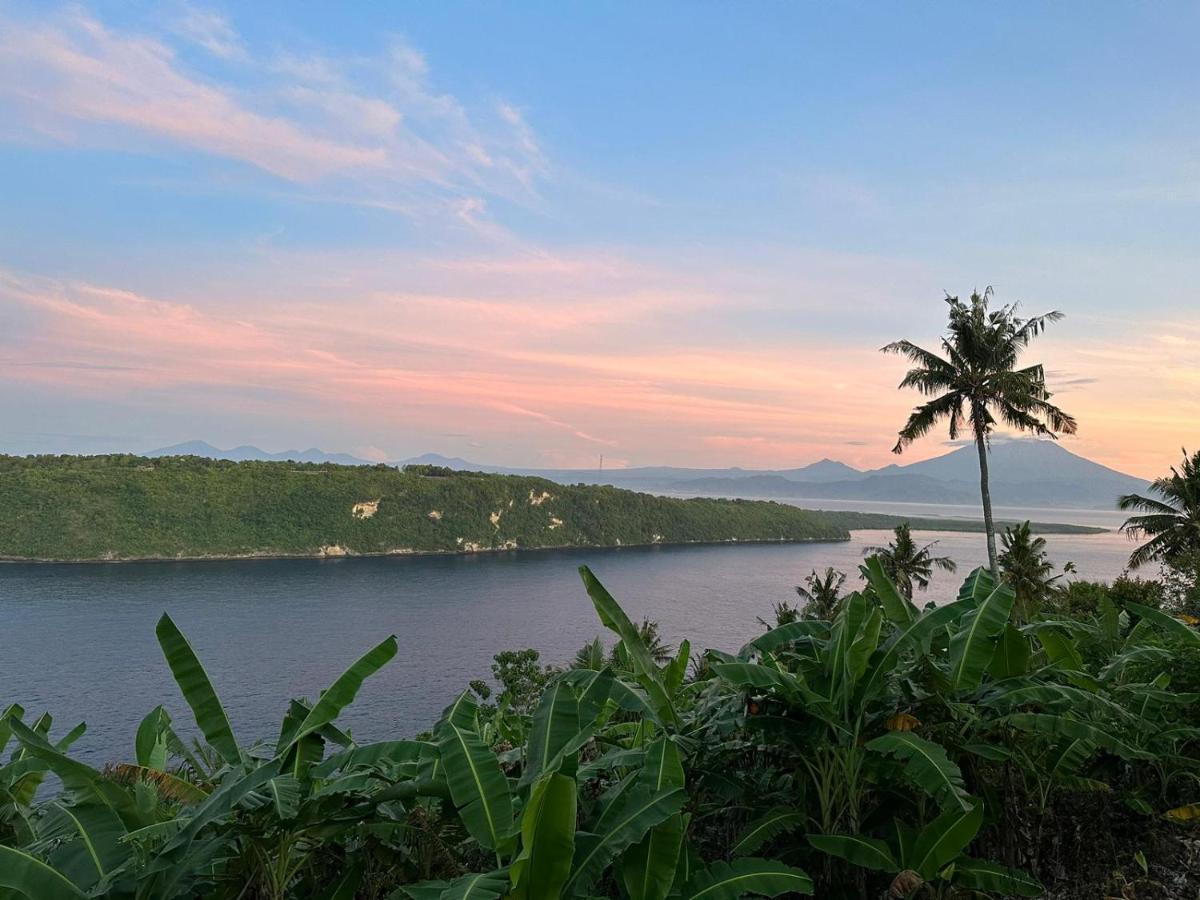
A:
(976, 384)
(761, 877)
(1171, 520)
(1025, 566)
(908, 746)
(1085, 598)
(821, 594)
(907, 565)
(547, 839)
(129, 507)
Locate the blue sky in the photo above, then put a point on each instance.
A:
(531, 233)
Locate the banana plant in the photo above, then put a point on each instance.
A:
(933, 855)
(640, 777)
(24, 773)
(146, 831)
(847, 676)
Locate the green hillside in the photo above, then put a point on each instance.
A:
(129, 507)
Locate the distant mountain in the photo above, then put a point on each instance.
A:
(649, 477)
(892, 488)
(1024, 472)
(449, 462)
(824, 470)
(1036, 473)
(247, 452)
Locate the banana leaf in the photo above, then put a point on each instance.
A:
(648, 867)
(556, 721)
(477, 784)
(1064, 726)
(33, 878)
(197, 690)
(729, 881)
(1169, 624)
(87, 843)
(647, 671)
(637, 813)
(344, 689)
(943, 839)
(898, 608)
(856, 849)
(782, 636)
(983, 875)
(973, 643)
(547, 840)
(927, 765)
(477, 886)
(1011, 658)
(235, 787)
(884, 664)
(766, 828)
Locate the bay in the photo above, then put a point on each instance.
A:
(78, 640)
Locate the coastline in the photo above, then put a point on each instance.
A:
(320, 553)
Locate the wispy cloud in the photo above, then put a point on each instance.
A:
(209, 30)
(370, 131)
(555, 373)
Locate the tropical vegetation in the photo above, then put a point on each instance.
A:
(1171, 520)
(977, 384)
(821, 595)
(129, 507)
(910, 566)
(883, 750)
(1026, 567)
(122, 507)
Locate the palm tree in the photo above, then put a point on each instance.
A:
(1172, 523)
(591, 655)
(660, 651)
(977, 383)
(1026, 568)
(907, 564)
(785, 614)
(820, 594)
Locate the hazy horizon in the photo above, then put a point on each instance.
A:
(942, 448)
(529, 236)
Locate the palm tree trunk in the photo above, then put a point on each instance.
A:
(986, 494)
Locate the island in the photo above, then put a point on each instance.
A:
(124, 507)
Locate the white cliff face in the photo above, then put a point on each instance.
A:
(365, 509)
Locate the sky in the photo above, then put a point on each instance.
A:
(538, 233)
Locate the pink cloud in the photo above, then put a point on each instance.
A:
(407, 360)
(80, 71)
(617, 363)
(368, 132)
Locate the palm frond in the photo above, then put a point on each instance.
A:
(1148, 504)
(924, 417)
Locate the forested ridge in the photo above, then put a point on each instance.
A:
(130, 507)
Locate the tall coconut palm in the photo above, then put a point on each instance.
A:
(908, 565)
(1172, 523)
(1027, 569)
(977, 384)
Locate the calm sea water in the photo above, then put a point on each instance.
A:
(78, 640)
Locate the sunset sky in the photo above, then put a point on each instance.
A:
(533, 234)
